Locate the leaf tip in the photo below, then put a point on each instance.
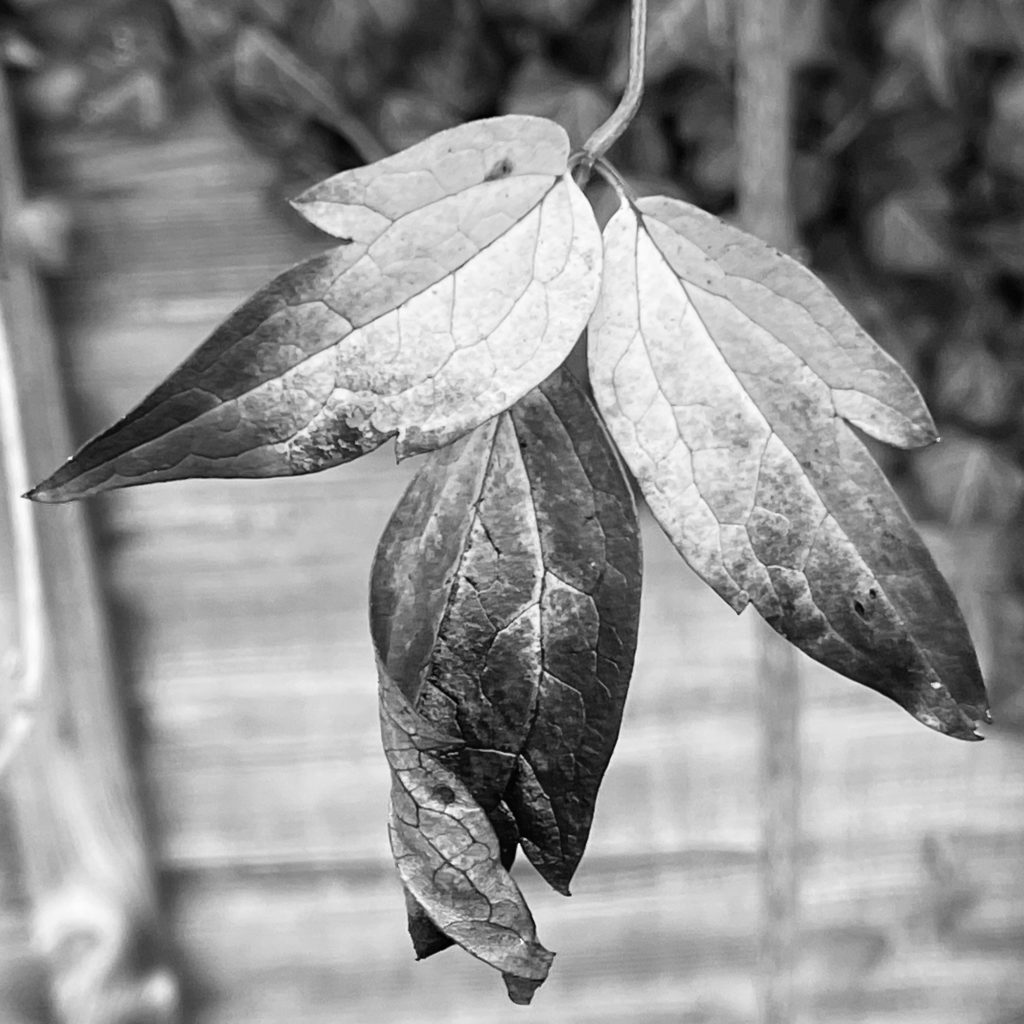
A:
(60, 486)
(947, 716)
(44, 495)
(521, 990)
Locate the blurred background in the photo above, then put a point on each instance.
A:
(230, 844)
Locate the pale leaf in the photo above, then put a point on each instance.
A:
(470, 265)
(729, 377)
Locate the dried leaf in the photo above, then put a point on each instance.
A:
(469, 266)
(730, 377)
(504, 606)
(447, 853)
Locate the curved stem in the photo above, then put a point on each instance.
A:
(622, 187)
(605, 136)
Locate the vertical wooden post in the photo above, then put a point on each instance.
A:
(764, 137)
(84, 861)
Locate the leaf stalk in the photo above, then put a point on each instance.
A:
(607, 134)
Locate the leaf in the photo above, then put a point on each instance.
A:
(730, 378)
(469, 266)
(447, 853)
(504, 606)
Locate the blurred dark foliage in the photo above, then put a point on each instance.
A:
(908, 153)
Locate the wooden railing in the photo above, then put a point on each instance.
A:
(84, 861)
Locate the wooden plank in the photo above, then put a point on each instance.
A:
(764, 141)
(337, 951)
(83, 858)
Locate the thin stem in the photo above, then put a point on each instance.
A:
(622, 188)
(605, 136)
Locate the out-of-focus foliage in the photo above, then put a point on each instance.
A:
(908, 145)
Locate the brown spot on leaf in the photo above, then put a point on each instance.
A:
(502, 169)
(445, 794)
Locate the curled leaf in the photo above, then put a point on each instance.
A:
(447, 852)
(469, 265)
(729, 377)
(504, 607)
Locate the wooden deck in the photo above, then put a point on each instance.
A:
(239, 612)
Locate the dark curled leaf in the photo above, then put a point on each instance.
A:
(504, 606)
(447, 852)
(470, 265)
(729, 375)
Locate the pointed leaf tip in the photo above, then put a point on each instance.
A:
(458, 292)
(728, 375)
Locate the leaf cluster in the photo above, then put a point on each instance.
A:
(728, 379)
(506, 587)
(909, 160)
